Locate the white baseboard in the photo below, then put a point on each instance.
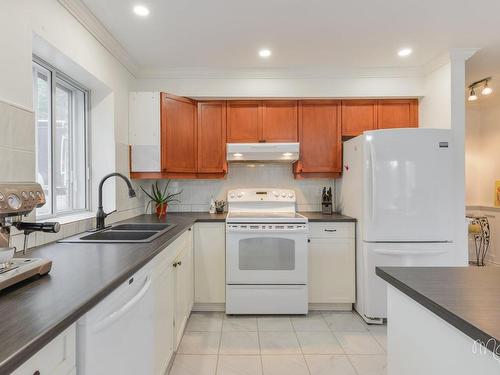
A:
(217, 307)
(207, 307)
(330, 306)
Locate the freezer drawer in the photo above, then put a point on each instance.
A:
(396, 254)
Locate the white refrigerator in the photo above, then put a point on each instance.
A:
(398, 184)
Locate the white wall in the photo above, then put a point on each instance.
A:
(45, 27)
(435, 106)
(307, 87)
(483, 167)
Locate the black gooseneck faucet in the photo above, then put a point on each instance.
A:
(101, 215)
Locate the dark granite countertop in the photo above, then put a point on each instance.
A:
(468, 298)
(35, 312)
(320, 217)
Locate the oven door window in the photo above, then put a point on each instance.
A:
(266, 254)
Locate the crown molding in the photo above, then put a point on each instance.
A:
(83, 15)
(280, 73)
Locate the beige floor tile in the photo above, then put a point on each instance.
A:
(345, 321)
(284, 365)
(358, 343)
(274, 323)
(238, 324)
(239, 365)
(319, 343)
(239, 343)
(279, 343)
(329, 365)
(369, 364)
(380, 334)
(205, 322)
(199, 343)
(194, 365)
(312, 322)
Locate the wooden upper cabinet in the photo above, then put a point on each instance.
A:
(358, 116)
(178, 134)
(320, 137)
(262, 121)
(212, 137)
(244, 121)
(397, 113)
(279, 120)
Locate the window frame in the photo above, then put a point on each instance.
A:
(59, 78)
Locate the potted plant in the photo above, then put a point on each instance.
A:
(160, 198)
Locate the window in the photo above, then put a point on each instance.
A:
(61, 140)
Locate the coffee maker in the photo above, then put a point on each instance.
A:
(18, 200)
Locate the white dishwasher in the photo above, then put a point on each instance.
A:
(116, 336)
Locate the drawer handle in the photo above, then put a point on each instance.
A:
(175, 264)
(330, 230)
(179, 263)
(36, 372)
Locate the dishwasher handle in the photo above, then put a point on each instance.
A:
(114, 316)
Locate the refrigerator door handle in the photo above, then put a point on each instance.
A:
(410, 252)
(372, 182)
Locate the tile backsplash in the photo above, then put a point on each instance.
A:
(196, 194)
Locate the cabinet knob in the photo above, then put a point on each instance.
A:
(179, 263)
(309, 240)
(175, 264)
(189, 229)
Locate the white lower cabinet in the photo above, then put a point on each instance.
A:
(210, 263)
(163, 313)
(56, 358)
(183, 285)
(332, 263)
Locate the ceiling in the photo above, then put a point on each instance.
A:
(312, 34)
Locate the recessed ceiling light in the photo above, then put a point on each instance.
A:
(141, 10)
(265, 52)
(403, 52)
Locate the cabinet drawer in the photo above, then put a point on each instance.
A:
(56, 358)
(331, 230)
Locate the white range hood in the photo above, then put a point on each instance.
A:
(262, 152)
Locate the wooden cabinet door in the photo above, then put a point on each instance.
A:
(244, 121)
(397, 113)
(358, 116)
(279, 120)
(178, 134)
(212, 137)
(319, 137)
(331, 270)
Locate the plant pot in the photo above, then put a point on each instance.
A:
(161, 209)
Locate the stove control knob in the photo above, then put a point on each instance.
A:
(276, 194)
(283, 194)
(32, 195)
(239, 195)
(231, 195)
(290, 195)
(24, 195)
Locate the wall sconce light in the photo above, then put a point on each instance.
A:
(486, 90)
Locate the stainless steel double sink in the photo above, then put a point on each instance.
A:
(123, 233)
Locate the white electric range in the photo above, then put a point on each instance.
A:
(266, 253)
